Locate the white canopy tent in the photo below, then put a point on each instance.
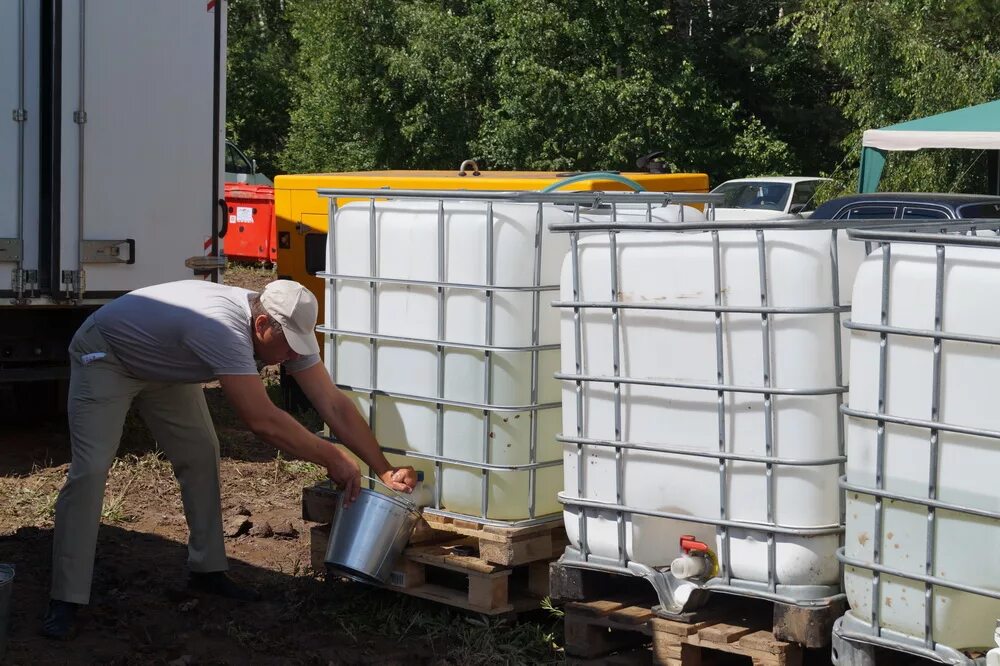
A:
(975, 127)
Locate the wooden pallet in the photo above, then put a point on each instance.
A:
(617, 632)
(453, 573)
(506, 546)
(808, 626)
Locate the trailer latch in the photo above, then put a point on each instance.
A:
(107, 251)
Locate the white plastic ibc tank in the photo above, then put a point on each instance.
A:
(965, 546)
(406, 249)
(677, 268)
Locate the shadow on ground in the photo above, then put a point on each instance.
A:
(141, 612)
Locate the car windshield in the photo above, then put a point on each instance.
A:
(235, 162)
(765, 195)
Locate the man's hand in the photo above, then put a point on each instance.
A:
(400, 479)
(344, 471)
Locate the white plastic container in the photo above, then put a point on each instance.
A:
(993, 656)
(406, 249)
(965, 546)
(677, 268)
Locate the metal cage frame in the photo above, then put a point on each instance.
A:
(592, 200)
(940, 234)
(663, 582)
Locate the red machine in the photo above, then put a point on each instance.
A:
(251, 233)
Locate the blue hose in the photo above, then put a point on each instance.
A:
(596, 175)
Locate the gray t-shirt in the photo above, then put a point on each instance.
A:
(185, 332)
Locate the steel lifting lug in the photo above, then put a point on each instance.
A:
(466, 165)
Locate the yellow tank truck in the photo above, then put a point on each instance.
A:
(301, 215)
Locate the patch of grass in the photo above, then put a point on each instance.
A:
(286, 470)
(552, 609)
(251, 276)
(149, 470)
(31, 501)
(113, 507)
(243, 637)
(456, 637)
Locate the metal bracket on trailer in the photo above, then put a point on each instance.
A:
(10, 249)
(206, 263)
(107, 251)
(74, 282)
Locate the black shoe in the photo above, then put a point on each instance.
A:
(58, 622)
(220, 584)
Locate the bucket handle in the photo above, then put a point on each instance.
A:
(398, 495)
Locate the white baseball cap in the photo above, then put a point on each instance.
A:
(295, 308)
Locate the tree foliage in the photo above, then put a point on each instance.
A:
(732, 89)
(385, 84)
(259, 78)
(906, 59)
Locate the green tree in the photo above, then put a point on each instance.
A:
(906, 59)
(260, 69)
(553, 84)
(779, 84)
(386, 84)
(596, 83)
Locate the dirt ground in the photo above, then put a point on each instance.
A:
(141, 612)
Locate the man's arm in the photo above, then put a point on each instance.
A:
(338, 412)
(276, 427)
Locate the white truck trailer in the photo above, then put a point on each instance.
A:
(111, 140)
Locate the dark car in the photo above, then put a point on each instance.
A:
(909, 206)
(242, 169)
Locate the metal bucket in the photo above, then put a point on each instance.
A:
(367, 538)
(6, 590)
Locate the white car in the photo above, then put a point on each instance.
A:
(768, 197)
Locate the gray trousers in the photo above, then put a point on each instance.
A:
(100, 394)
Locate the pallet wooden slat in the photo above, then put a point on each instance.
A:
(451, 556)
(319, 503)
(599, 628)
(722, 633)
(666, 646)
(502, 545)
(593, 608)
(673, 627)
(485, 531)
(482, 587)
(632, 615)
(764, 641)
(809, 626)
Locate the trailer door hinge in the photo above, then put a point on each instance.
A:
(79, 117)
(25, 285)
(20, 115)
(74, 284)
